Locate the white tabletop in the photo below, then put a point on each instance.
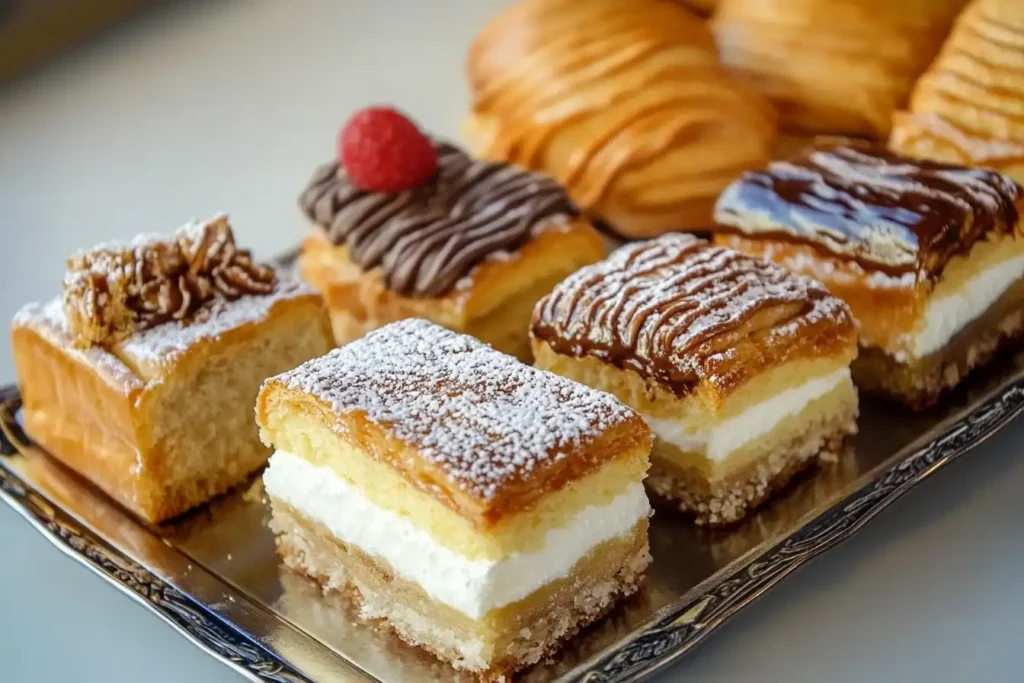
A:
(203, 107)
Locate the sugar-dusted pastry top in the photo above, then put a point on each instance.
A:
(148, 354)
(683, 312)
(864, 203)
(626, 103)
(484, 419)
(115, 290)
(969, 105)
(427, 238)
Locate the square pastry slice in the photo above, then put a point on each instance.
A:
(479, 508)
(143, 376)
(928, 255)
(740, 368)
(472, 248)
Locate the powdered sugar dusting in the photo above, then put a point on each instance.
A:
(164, 343)
(486, 419)
(48, 320)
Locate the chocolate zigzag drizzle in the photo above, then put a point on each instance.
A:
(680, 310)
(864, 203)
(427, 238)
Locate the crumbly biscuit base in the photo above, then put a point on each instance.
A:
(683, 485)
(507, 639)
(920, 383)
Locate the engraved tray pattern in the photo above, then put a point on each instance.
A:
(663, 637)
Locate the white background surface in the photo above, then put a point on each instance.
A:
(202, 107)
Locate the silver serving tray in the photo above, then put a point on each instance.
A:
(213, 575)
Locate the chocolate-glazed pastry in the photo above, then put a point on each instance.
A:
(472, 247)
(739, 367)
(424, 239)
(862, 202)
(925, 253)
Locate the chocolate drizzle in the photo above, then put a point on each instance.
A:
(864, 203)
(680, 310)
(427, 238)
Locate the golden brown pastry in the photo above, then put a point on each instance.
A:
(478, 507)
(471, 248)
(833, 65)
(143, 377)
(928, 255)
(968, 108)
(624, 102)
(740, 368)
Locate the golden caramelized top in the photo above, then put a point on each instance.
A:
(464, 422)
(686, 313)
(115, 290)
(860, 202)
(969, 105)
(833, 65)
(625, 103)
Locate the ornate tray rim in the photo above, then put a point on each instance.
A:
(664, 638)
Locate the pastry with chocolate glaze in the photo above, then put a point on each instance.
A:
(968, 108)
(470, 246)
(625, 103)
(928, 255)
(833, 66)
(740, 368)
(480, 508)
(143, 374)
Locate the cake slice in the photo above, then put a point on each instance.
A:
(740, 368)
(471, 246)
(928, 255)
(143, 374)
(479, 508)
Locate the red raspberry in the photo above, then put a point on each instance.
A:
(383, 151)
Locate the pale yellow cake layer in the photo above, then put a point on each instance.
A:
(652, 399)
(522, 531)
(837, 406)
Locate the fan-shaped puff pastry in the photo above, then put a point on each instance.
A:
(624, 102)
(969, 106)
(833, 65)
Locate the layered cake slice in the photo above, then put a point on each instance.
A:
(927, 255)
(740, 368)
(408, 227)
(479, 508)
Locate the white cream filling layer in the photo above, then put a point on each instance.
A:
(946, 316)
(473, 587)
(719, 440)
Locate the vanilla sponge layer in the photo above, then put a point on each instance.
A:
(387, 489)
(474, 587)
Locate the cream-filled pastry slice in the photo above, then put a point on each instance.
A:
(480, 508)
(928, 255)
(740, 368)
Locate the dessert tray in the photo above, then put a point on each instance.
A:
(214, 577)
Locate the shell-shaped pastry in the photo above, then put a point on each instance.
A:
(841, 66)
(969, 106)
(625, 103)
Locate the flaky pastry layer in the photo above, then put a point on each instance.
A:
(626, 104)
(968, 107)
(493, 303)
